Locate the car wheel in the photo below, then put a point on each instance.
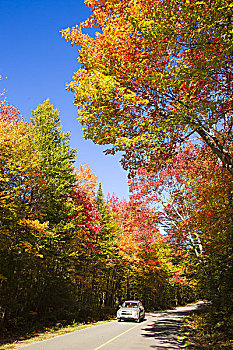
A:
(119, 320)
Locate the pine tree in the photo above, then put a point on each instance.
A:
(108, 246)
(57, 158)
(100, 197)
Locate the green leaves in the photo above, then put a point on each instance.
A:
(57, 159)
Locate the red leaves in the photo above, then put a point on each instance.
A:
(153, 262)
(160, 62)
(8, 112)
(140, 238)
(85, 212)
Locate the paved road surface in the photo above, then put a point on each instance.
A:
(158, 331)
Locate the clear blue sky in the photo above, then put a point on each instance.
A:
(38, 63)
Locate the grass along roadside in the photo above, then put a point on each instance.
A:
(48, 334)
(201, 332)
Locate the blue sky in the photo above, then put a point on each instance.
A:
(38, 63)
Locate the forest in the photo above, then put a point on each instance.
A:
(66, 252)
(155, 83)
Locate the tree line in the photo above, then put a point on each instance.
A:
(67, 253)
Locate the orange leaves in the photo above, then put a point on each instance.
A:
(76, 37)
(86, 180)
(139, 240)
(165, 68)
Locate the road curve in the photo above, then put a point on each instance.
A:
(158, 331)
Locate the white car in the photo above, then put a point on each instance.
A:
(131, 310)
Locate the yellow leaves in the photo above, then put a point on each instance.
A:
(200, 3)
(148, 27)
(36, 227)
(76, 37)
(19, 166)
(66, 34)
(3, 278)
(25, 237)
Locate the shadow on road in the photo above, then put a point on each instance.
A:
(165, 333)
(166, 327)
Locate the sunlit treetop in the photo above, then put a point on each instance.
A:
(155, 72)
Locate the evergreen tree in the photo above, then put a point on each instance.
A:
(108, 246)
(100, 198)
(56, 206)
(57, 158)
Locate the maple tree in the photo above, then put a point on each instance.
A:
(194, 194)
(104, 256)
(21, 179)
(85, 179)
(154, 73)
(148, 256)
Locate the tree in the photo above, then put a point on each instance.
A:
(85, 179)
(152, 270)
(107, 244)
(197, 215)
(23, 237)
(155, 73)
(57, 158)
(56, 207)
(20, 179)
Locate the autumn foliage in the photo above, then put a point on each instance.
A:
(155, 83)
(155, 72)
(66, 252)
(194, 196)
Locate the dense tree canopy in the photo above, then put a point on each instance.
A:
(155, 72)
(194, 196)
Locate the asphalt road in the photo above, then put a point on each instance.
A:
(158, 331)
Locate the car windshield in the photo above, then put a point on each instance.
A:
(130, 304)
